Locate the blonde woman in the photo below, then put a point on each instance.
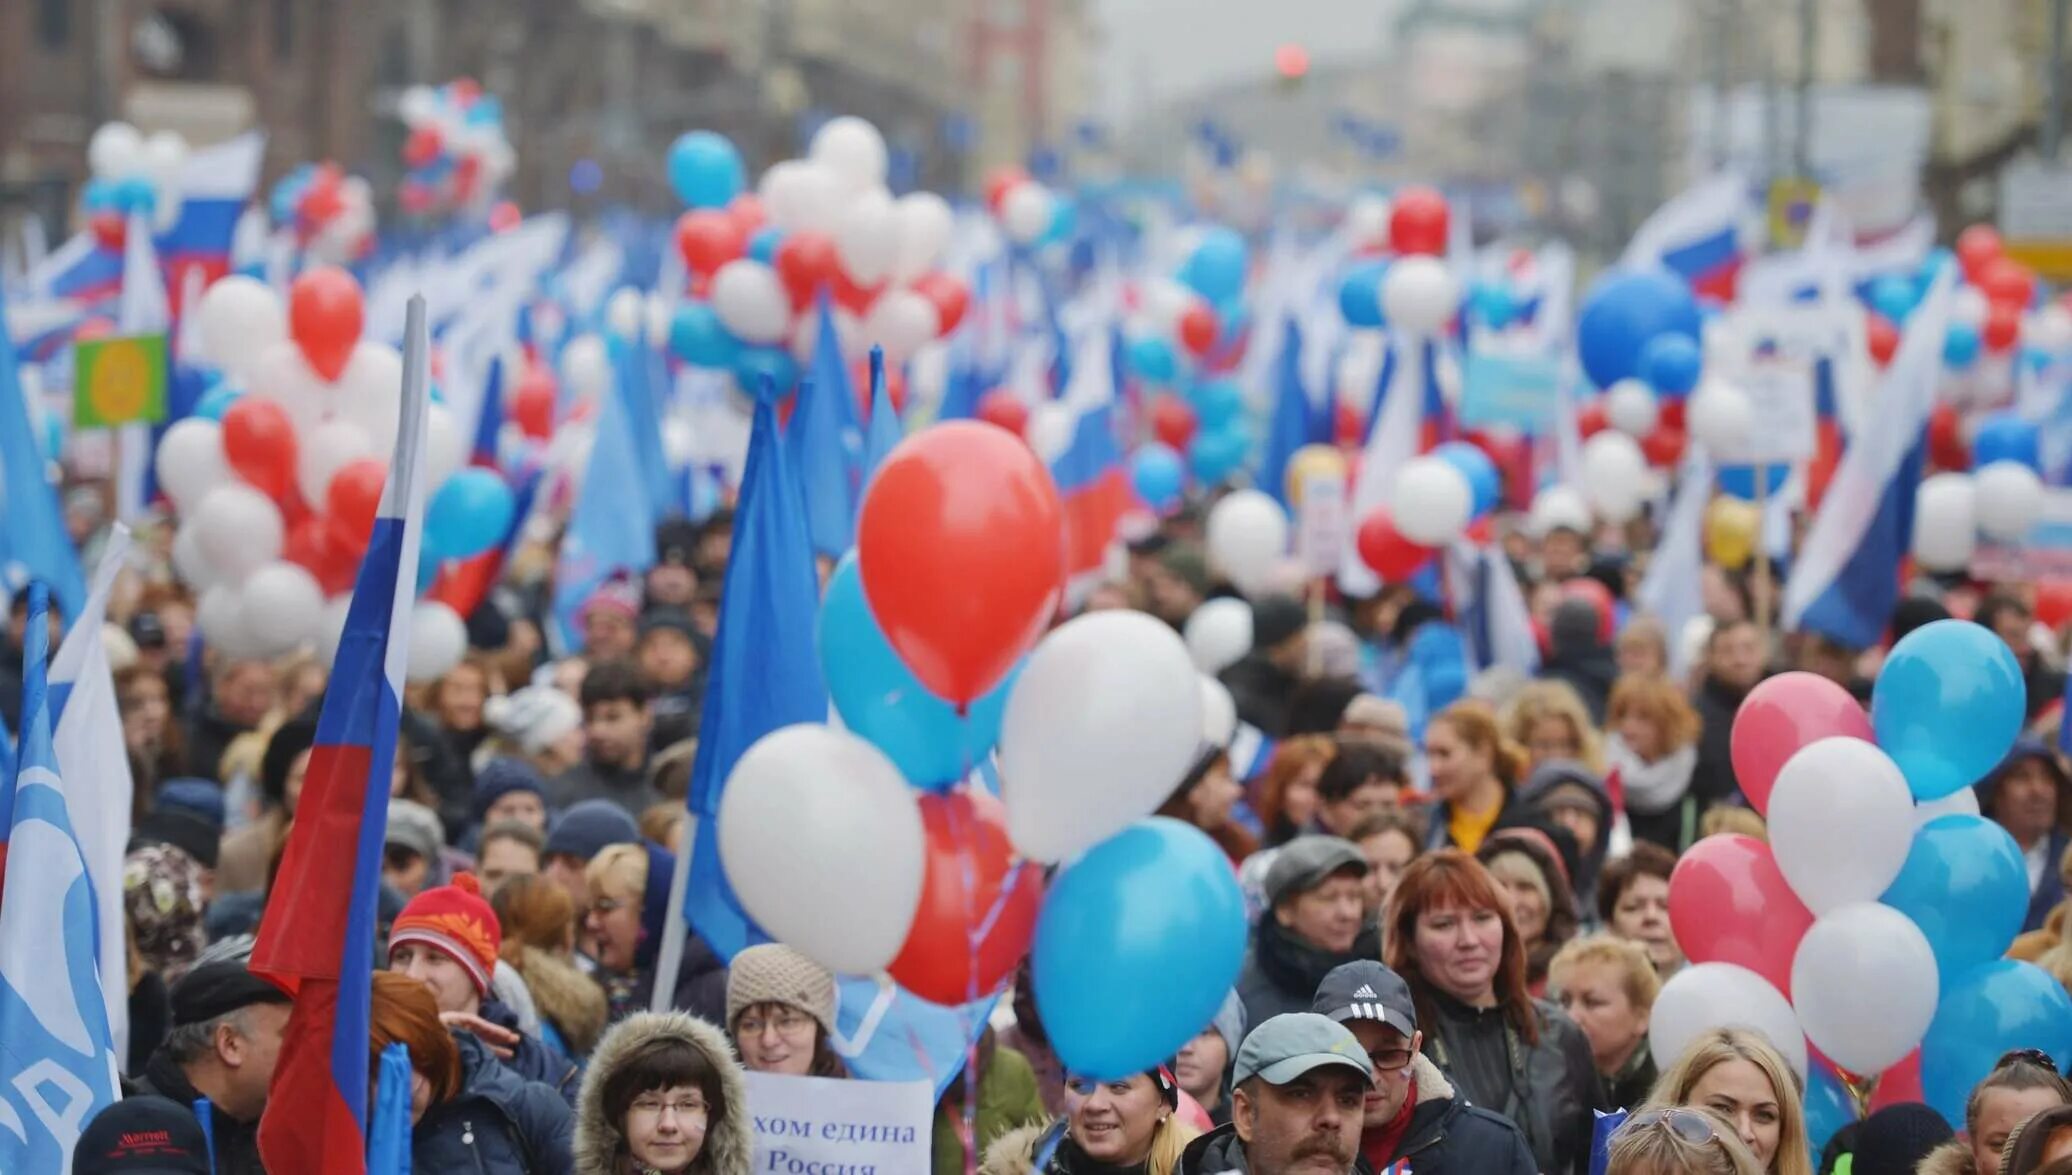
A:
(1678, 1142)
(1548, 719)
(1736, 1074)
(1130, 1124)
(1608, 986)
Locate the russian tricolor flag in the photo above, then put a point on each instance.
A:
(215, 185)
(1698, 236)
(1089, 471)
(316, 938)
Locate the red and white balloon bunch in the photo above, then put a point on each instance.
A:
(1028, 212)
(331, 213)
(456, 150)
(132, 174)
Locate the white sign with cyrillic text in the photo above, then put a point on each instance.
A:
(820, 1125)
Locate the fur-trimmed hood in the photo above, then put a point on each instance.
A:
(566, 997)
(1432, 1085)
(729, 1141)
(1014, 1153)
(1951, 1158)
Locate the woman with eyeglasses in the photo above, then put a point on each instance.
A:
(663, 1095)
(781, 1013)
(1678, 1141)
(1128, 1126)
(2022, 1085)
(1736, 1074)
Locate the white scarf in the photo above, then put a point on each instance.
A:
(1651, 787)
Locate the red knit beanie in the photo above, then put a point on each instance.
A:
(457, 920)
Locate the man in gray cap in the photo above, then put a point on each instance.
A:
(1315, 919)
(1300, 1082)
(1413, 1112)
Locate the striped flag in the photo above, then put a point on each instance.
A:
(316, 938)
(1698, 235)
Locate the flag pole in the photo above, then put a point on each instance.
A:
(1762, 554)
(669, 963)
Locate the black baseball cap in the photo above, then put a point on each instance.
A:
(147, 1135)
(217, 989)
(1367, 990)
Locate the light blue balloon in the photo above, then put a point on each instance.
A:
(1137, 944)
(1965, 885)
(1960, 345)
(1064, 220)
(1157, 475)
(136, 194)
(1215, 454)
(470, 513)
(1153, 359)
(1359, 294)
(1474, 464)
(1492, 304)
(1217, 402)
(1216, 269)
(697, 337)
(881, 699)
(2004, 436)
(1893, 297)
(104, 195)
(1828, 1107)
(218, 399)
(705, 169)
(1738, 481)
(762, 245)
(755, 365)
(1991, 1009)
(1947, 705)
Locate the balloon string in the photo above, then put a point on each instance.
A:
(968, 894)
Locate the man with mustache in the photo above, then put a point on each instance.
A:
(1299, 1086)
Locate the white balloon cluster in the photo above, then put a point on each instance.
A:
(130, 168)
(2000, 501)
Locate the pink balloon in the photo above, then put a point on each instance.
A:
(1191, 1113)
(1900, 1083)
(1780, 716)
(1729, 903)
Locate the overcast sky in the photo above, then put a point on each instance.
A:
(1157, 50)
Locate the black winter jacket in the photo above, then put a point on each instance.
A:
(1449, 1136)
(236, 1144)
(499, 1124)
(1548, 1089)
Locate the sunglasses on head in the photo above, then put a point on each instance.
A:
(2032, 1056)
(1689, 1125)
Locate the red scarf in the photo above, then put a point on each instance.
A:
(1379, 1145)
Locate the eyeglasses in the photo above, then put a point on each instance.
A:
(1689, 1125)
(653, 1106)
(2032, 1056)
(786, 1024)
(1390, 1060)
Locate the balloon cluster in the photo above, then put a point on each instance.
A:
(1433, 502)
(1873, 922)
(455, 153)
(1638, 340)
(1999, 499)
(331, 213)
(132, 175)
(1031, 214)
(1410, 233)
(870, 849)
(1185, 336)
(278, 477)
(821, 225)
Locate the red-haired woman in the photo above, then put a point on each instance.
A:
(1450, 935)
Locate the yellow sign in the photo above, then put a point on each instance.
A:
(118, 380)
(1791, 210)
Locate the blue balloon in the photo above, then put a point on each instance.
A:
(1960, 345)
(429, 557)
(1215, 454)
(101, 195)
(1064, 218)
(1738, 481)
(698, 338)
(1478, 469)
(135, 194)
(471, 513)
(218, 399)
(762, 245)
(1359, 294)
(1991, 1010)
(1947, 705)
(1932, 266)
(2004, 436)
(705, 169)
(1138, 942)
(881, 699)
(1233, 321)
(755, 365)
(1216, 269)
(1153, 359)
(1492, 304)
(1894, 297)
(1157, 474)
(1623, 312)
(1966, 887)
(1218, 402)
(1828, 1107)
(1671, 363)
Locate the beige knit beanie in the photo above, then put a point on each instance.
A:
(776, 974)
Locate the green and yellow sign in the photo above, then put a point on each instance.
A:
(118, 380)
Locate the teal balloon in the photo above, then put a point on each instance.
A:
(697, 337)
(218, 399)
(880, 699)
(1894, 297)
(1965, 885)
(1359, 294)
(471, 513)
(1828, 1107)
(1153, 359)
(1492, 304)
(762, 245)
(759, 367)
(1948, 703)
(1961, 345)
(705, 169)
(1157, 474)
(1138, 942)
(1991, 1010)
(1218, 402)
(1216, 268)
(1215, 454)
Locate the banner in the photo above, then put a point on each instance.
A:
(1517, 390)
(119, 380)
(824, 1124)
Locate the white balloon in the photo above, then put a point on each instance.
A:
(1558, 507)
(240, 318)
(587, 365)
(194, 567)
(165, 152)
(823, 842)
(323, 451)
(1827, 787)
(2007, 498)
(238, 530)
(1962, 802)
(445, 446)
(1630, 407)
(1247, 535)
(1945, 522)
(1163, 301)
(330, 628)
(1367, 219)
(190, 461)
(1705, 996)
(1050, 429)
(282, 375)
(1431, 502)
(852, 149)
(282, 605)
(798, 194)
(1969, 305)
(438, 640)
(624, 311)
(750, 301)
(1218, 633)
(1720, 416)
(116, 151)
(925, 223)
(902, 322)
(417, 104)
(2050, 329)
(220, 613)
(1026, 212)
(1218, 712)
(1865, 983)
(370, 394)
(1615, 476)
(1102, 724)
(867, 236)
(1419, 295)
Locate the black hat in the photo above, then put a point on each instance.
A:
(667, 619)
(147, 630)
(1894, 1140)
(1366, 990)
(676, 542)
(181, 829)
(1302, 865)
(217, 989)
(1276, 619)
(147, 1135)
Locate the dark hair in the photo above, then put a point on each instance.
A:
(614, 681)
(2017, 1071)
(1408, 821)
(1723, 628)
(1991, 608)
(1647, 859)
(662, 1063)
(517, 830)
(826, 1062)
(1316, 706)
(1449, 877)
(289, 740)
(1355, 762)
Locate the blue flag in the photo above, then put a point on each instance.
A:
(826, 443)
(765, 673)
(629, 363)
(612, 528)
(491, 420)
(1291, 428)
(883, 433)
(33, 539)
(891, 1034)
(962, 387)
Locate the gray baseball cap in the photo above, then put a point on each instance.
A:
(1302, 865)
(1367, 990)
(1293, 1043)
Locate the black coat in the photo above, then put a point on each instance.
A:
(1220, 1150)
(1712, 780)
(1447, 1136)
(236, 1143)
(499, 1123)
(1281, 972)
(532, 1058)
(1548, 1089)
(1261, 691)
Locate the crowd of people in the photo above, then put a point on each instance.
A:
(1460, 907)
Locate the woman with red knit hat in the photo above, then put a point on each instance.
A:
(447, 938)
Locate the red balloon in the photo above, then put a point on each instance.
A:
(2054, 601)
(421, 146)
(1664, 447)
(1003, 408)
(854, 298)
(532, 403)
(304, 545)
(1883, 338)
(1590, 419)
(505, 216)
(1947, 447)
(950, 296)
(1000, 182)
(747, 211)
(1172, 420)
(324, 318)
(259, 443)
(970, 869)
(1347, 427)
(1383, 548)
(1781, 716)
(2003, 327)
(1729, 903)
(709, 238)
(1899, 1083)
(961, 547)
(1976, 246)
(109, 229)
(2006, 280)
(806, 261)
(1198, 328)
(1418, 222)
(352, 499)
